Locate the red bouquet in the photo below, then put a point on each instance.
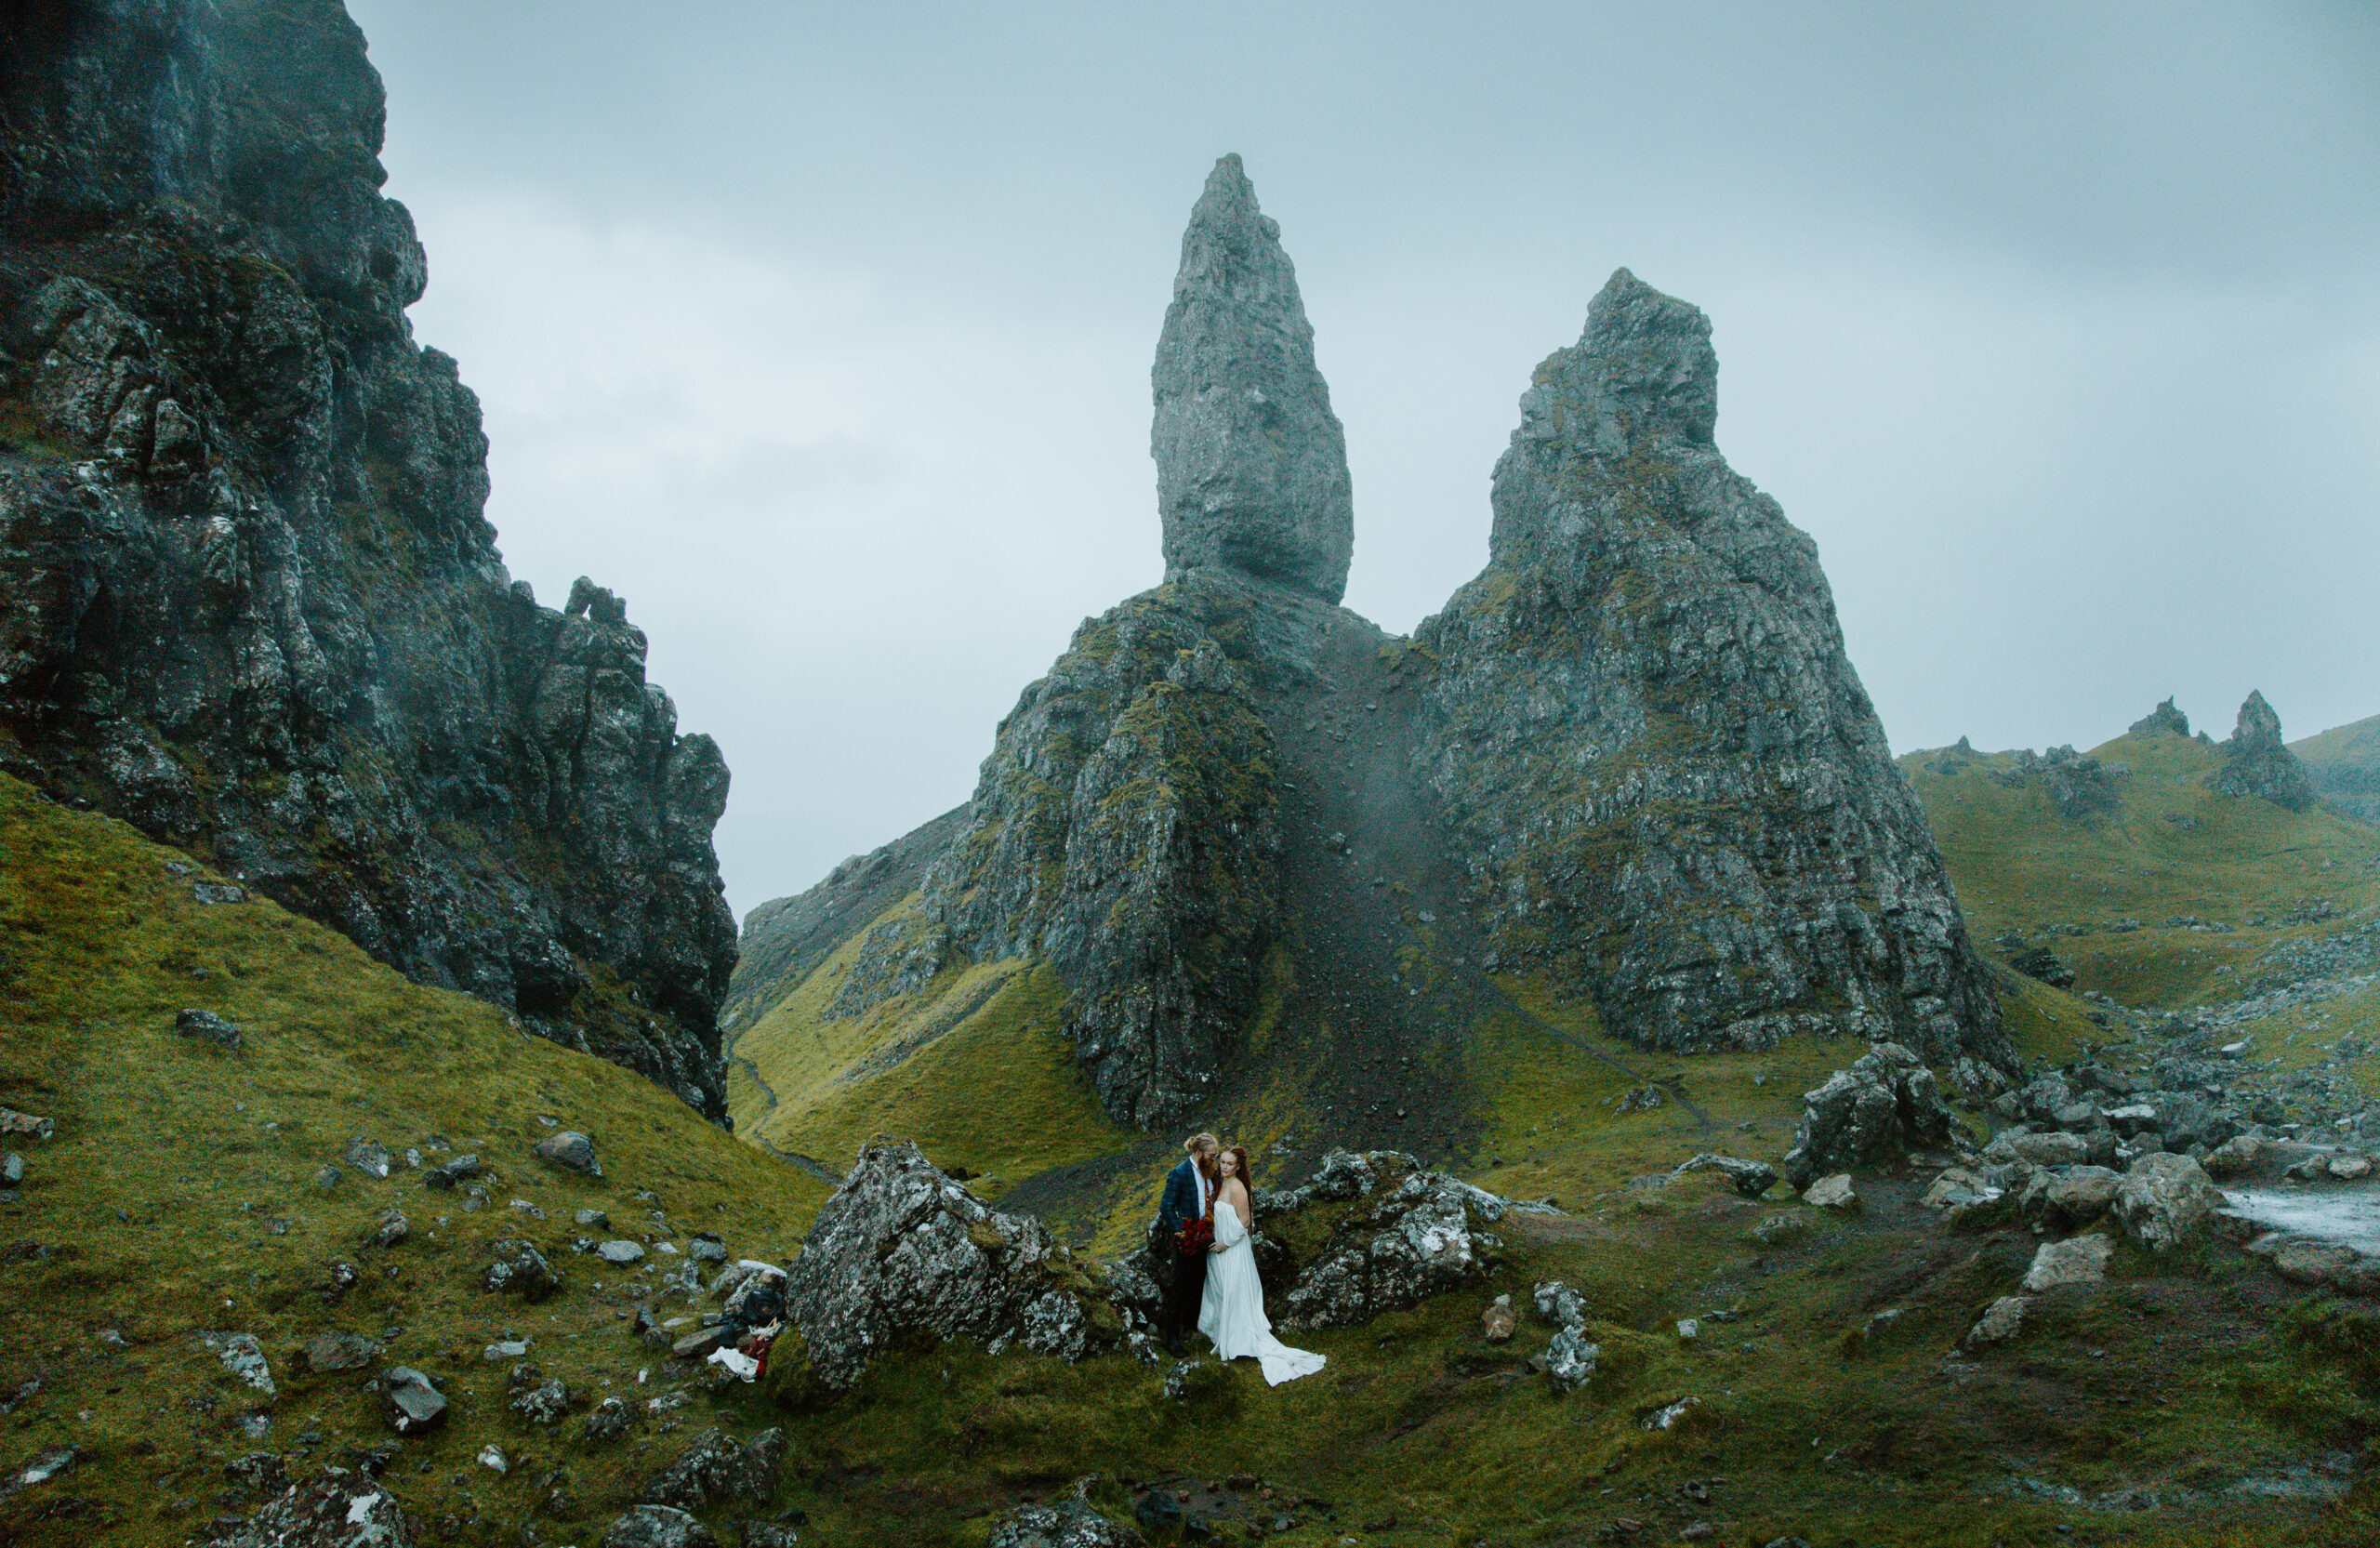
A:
(1196, 1236)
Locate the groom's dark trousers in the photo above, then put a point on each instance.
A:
(1185, 1278)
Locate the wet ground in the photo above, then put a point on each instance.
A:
(2344, 1213)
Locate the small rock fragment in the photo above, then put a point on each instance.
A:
(1832, 1193)
(368, 1157)
(572, 1151)
(193, 1023)
(2076, 1261)
(1998, 1323)
(1498, 1322)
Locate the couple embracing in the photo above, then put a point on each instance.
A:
(1202, 1248)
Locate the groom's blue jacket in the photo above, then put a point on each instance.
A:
(1181, 1201)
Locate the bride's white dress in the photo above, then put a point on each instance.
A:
(1232, 1313)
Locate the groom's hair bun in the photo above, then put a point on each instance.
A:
(1197, 1143)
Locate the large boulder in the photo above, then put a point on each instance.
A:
(2166, 1200)
(1416, 1239)
(338, 1509)
(1884, 1103)
(658, 1527)
(902, 1248)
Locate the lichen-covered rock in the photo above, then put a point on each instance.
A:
(900, 1247)
(254, 604)
(520, 1269)
(2065, 1198)
(1414, 1240)
(2079, 786)
(658, 1527)
(1571, 1359)
(2165, 1200)
(1066, 1523)
(2075, 1261)
(338, 1509)
(715, 1469)
(2256, 762)
(2163, 720)
(1126, 831)
(1885, 1103)
(1674, 795)
(1252, 465)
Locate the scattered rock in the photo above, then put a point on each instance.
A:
(2348, 1169)
(344, 1278)
(1668, 1416)
(505, 1349)
(2165, 1200)
(609, 1422)
(1884, 1103)
(331, 1352)
(368, 1157)
(520, 1269)
(900, 1247)
(619, 1252)
(2076, 1261)
(770, 1534)
(1559, 1305)
(1780, 1230)
(1959, 1193)
(2037, 1150)
(446, 1175)
(706, 1249)
(2237, 1155)
(715, 1470)
(592, 1220)
(2046, 965)
(1751, 1178)
(337, 1509)
(2000, 1322)
(700, 1343)
(47, 1463)
(572, 1151)
(15, 1122)
(658, 1527)
(1571, 1359)
(241, 1357)
(413, 1402)
(388, 1230)
(2071, 1197)
(256, 1471)
(1832, 1193)
(12, 1170)
(208, 1025)
(2327, 1265)
(1498, 1322)
(540, 1402)
(492, 1456)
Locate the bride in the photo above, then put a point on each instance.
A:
(1233, 1312)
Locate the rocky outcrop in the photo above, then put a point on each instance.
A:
(1675, 794)
(1418, 1236)
(1886, 1103)
(1252, 465)
(2082, 789)
(255, 607)
(901, 1249)
(337, 1509)
(2256, 764)
(2163, 720)
(1126, 830)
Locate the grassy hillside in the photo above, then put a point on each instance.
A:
(179, 1197)
(2344, 764)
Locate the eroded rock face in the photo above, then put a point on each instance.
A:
(1884, 1103)
(255, 607)
(1676, 795)
(1066, 1524)
(1252, 465)
(900, 1247)
(2256, 762)
(1125, 830)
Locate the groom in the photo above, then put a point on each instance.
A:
(1188, 1189)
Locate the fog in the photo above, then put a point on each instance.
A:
(822, 334)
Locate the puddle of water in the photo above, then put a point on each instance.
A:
(2347, 1213)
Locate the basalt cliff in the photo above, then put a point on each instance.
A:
(1630, 762)
(253, 604)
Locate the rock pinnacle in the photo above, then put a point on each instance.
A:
(1252, 465)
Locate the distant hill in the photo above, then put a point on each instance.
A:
(2344, 764)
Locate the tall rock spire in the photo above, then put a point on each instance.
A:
(1252, 465)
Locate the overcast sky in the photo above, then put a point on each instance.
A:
(822, 332)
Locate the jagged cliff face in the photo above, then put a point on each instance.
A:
(254, 606)
(1630, 760)
(1673, 793)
